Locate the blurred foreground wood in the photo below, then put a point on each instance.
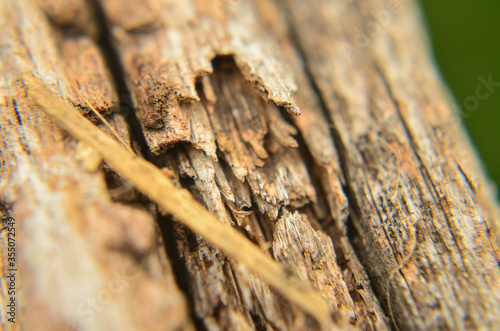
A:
(373, 195)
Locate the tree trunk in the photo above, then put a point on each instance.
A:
(320, 130)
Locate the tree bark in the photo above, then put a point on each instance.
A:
(318, 129)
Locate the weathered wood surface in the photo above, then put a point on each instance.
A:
(372, 195)
(84, 261)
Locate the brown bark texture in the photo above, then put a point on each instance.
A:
(319, 129)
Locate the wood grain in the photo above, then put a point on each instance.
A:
(319, 130)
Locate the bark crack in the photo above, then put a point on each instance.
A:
(114, 63)
(339, 145)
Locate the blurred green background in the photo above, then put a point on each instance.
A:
(466, 39)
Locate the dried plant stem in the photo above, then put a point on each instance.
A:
(151, 181)
(98, 114)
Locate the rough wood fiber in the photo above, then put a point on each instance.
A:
(372, 195)
(249, 162)
(155, 184)
(419, 204)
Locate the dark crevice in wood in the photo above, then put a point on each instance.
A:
(114, 63)
(18, 116)
(291, 28)
(121, 191)
(23, 140)
(315, 173)
(354, 207)
(224, 63)
(168, 228)
(468, 180)
(353, 233)
(266, 227)
(341, 149)
(260, 324)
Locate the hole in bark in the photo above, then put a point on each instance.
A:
(224, 63)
